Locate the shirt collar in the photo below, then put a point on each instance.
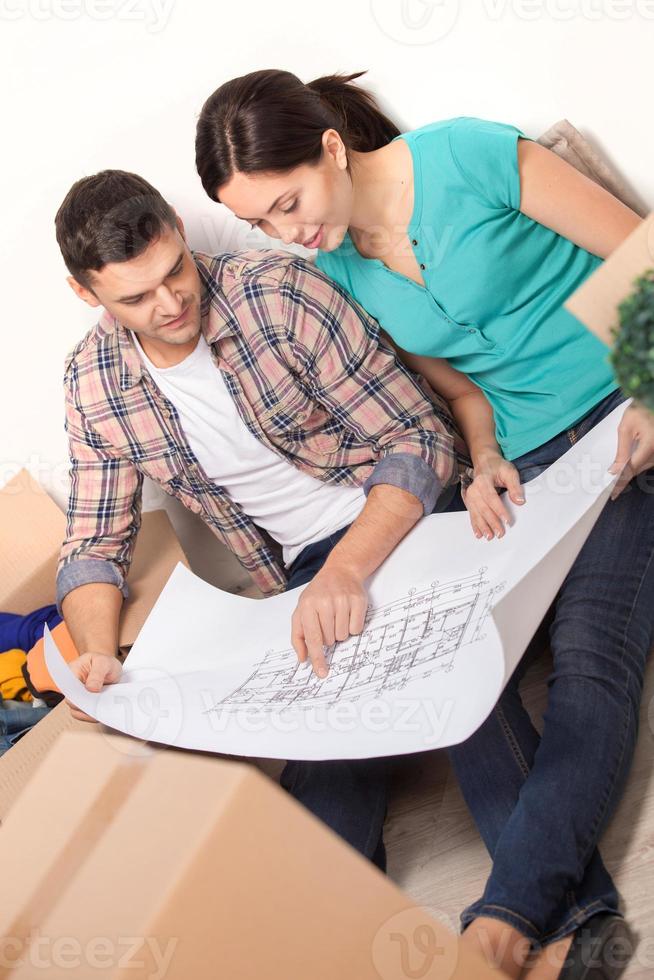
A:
(217, 321)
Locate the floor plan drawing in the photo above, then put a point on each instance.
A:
(449, 617)
(405, 640)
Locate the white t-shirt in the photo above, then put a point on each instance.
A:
(292, 506)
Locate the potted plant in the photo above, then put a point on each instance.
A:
(632, 356)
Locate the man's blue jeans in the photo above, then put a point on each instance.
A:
(349, 795)
(541, 802)
(17, 718)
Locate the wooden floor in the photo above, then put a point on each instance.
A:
(435, 853)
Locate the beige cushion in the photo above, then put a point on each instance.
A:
(568, 143)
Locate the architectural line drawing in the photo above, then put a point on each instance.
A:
(405, 640)
(449, 618)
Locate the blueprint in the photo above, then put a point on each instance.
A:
(449, 617)
(405, 640)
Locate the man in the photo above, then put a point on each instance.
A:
(257, 392)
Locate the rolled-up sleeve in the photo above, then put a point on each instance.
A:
(410, 473)
(360, 380)
(104, 507)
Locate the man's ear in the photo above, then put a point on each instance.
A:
(82, 292)
(334, 147)
(180, 226)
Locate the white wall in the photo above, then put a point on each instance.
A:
(90, 84)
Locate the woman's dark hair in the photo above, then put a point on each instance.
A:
(270, 122)
(110, 217)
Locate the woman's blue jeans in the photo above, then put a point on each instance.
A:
(541, 803)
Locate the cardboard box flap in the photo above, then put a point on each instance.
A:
(596, 301)
(19, 763)
(156, 553)
(32, 529)
(63, 814)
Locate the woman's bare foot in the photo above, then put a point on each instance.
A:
(499, 944)
(547, 963)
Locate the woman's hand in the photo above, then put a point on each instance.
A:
(488, 515)
(636, 425)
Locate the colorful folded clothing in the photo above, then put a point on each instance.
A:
(22, 632)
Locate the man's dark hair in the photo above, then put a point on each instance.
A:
(110, 217)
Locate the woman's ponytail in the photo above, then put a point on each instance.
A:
(363, 126)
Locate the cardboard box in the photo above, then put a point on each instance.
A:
(596, 301)
(194, 867)
(32, 528)
(115, 852)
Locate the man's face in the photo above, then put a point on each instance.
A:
(157, 295)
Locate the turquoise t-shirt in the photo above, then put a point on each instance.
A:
(495, 282)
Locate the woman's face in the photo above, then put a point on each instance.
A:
(309, 205)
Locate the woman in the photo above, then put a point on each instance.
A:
(463, 238)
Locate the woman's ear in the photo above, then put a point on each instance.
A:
(334, 148)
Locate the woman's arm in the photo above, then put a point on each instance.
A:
(557, 195)
(470, 407)
(553, 193)
(474, 416)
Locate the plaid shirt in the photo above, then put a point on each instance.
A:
(311, 380)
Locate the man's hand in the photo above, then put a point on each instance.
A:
(332, 607)
(484, 504)
(94, 670)
(637, 424)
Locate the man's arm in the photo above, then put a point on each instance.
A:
(333, 605)
(335, 347)
(102, 522)
(91, 613)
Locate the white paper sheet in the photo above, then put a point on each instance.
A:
(449, 618)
